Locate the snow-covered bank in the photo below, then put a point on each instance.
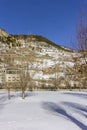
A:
(46, 110)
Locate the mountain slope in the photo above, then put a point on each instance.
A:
(49, 64)
(39, 38)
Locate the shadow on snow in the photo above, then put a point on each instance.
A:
(59, 111)
(77, 107)
(3, 98)
(19, 94)
(81, 95)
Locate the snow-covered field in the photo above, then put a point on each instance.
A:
(44, 110)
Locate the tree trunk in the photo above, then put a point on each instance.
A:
(9, 93)
(23, 94)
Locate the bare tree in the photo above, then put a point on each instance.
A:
(80, 67)
(8, 61)
(81, 31)
(8, 87)
(24, 82)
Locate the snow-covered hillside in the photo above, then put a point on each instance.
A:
(43, 110)
(45, 60)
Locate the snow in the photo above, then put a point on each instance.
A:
(44, 110)
(70, 64)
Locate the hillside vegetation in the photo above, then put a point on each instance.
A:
(50, 65)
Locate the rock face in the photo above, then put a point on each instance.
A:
(50, 65)
(3, 33)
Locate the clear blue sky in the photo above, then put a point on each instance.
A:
(54, 19)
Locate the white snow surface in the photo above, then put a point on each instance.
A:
(44, 110)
